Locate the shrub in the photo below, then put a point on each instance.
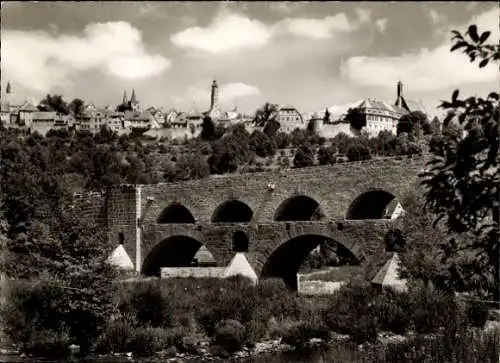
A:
(116, 338)
(477, 313)
(393, 311)
(149, 305)
(230, 335)
(351, 312)
(145, 341)
(31, 308)
(431, 309)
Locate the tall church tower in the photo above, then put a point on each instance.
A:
(399, 90)
(124, 101)
(214, 99)
(133, 102)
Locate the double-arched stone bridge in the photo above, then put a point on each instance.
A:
(276, 218)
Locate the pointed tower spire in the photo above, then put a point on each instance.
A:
(124, 101)
(132, 99)
(7, 89)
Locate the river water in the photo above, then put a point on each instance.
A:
(313, 355)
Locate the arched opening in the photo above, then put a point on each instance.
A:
(175, 251)
(240, 242)
(286, 260)
(299, 208)
(176, 213)
(232, 211)
(370, 205)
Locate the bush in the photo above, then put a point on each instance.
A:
(351, 312)
(431, 309)
(116, 338)
(32, 308)
(145, 341)
(393, 311)
(148, 305)
(477, 313)
(230, 335)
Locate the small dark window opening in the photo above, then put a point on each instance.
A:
(240, 242)
(340, 226)
(121, 238)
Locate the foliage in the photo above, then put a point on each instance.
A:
(207, 129)
(326, 117)
(431, 308)
(76, 106)
(262, 144)
(304, 156)
(54, 103)
(356, 118)
(358, 152)
(351, 312)
(191, 166)
(230, 335)
(393, 310)
(462, 181)
(477, 313)
(414, 123)
(266, 117)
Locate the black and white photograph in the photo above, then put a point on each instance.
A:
(250, 181)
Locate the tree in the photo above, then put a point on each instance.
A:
(357, 152)
(262, 144)
(54, 103)
(76, 107)
(462, 185)
(435, 126)
(191, 166)
(304, 156)
(327, 155)
(419, 242)
(266, 117)
(208, 129)
(356, 118)
(414, 124)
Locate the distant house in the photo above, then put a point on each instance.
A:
(137, 121)
(290, 118)
(43, 121)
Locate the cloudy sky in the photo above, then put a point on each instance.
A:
(311, 55)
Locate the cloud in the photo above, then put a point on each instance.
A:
(381, 25)
(230, 32)
(227, 92)
(314, 28)
(40, 61)
(227, 32)
(425, 70)
(436, 17)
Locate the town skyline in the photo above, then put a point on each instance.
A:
(312, 55)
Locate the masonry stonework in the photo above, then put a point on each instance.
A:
(333, 187)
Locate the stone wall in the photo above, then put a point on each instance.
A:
(198, 272)
(311, 287)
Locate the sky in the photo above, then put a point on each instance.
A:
(311, 55)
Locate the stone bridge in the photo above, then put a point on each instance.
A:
(276, 218)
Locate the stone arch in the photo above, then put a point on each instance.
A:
(299, 208)
(240, 242)
(284, 262)
(232, 211)
(174, 251)
(176, 213)
(370, 205)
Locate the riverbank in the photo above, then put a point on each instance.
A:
(210, 319)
